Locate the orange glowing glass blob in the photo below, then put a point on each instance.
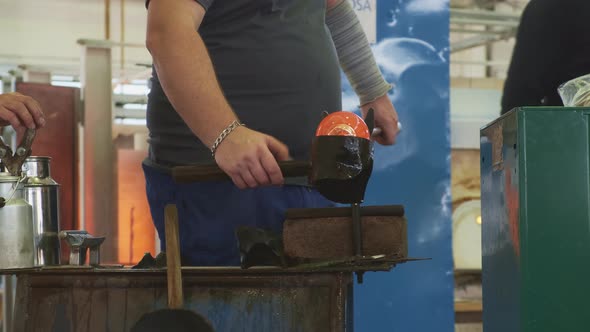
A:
(343, 123)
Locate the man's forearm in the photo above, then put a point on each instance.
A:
(354, 52)
(187, 76)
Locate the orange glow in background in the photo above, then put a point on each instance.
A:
(136, 233)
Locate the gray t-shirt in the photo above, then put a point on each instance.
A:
(277, 66)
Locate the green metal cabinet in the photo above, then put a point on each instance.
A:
(535, 183)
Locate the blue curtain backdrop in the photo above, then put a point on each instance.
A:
(412, 50)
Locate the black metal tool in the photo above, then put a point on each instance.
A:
(339, 169)
(259, 247)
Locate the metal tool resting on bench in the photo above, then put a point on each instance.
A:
(80, 242)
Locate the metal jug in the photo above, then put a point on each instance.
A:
(42, 192)
(16, 225)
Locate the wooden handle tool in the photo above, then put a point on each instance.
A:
(175, 297)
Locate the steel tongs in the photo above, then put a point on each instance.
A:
(13, 162)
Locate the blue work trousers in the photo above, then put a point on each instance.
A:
(209, 213)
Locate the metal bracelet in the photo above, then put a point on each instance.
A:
(224, 134)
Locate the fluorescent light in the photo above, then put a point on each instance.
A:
(131, 89)
(130, 121)
(135, 106)
(69, 84)
(62, 78)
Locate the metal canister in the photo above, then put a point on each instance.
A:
(16, 225)
(42, 192)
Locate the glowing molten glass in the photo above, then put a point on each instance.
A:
(343, 124)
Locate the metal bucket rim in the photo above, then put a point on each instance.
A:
(5, 177)
(33, 185)
(38, 158)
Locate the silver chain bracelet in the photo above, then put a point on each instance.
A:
(224, 134)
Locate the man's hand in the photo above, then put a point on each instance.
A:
(385, 118)
(20, 112)
(250, 158)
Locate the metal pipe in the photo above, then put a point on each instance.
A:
(479, 32)
(122, 38)
(484, 14)
(356, 229)
(108, 43)
(477, 21)
(107, 19)
(357, 236)
(476, 41)
(481, 63)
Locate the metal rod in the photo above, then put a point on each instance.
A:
(122, 38)
(107, 19)
(478, 32)
(356, 229)
(357, 236)
(455, 12)
(132, 238)
(107, 43)
(473, 21)
(479, 63)
(481, 40)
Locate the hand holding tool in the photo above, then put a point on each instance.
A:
(13, 162)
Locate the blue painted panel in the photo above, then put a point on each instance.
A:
(412, 51)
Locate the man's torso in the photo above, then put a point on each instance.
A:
(277, 66)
